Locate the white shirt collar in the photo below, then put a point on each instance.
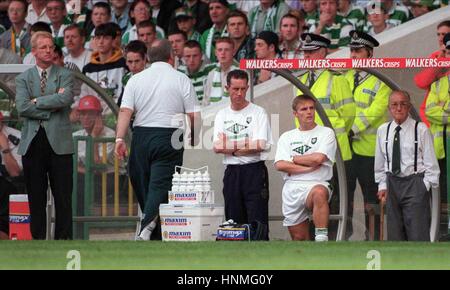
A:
(404, 124)
(161, 64)
(47, 70)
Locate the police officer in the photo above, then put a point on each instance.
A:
(334, 94)
(437, 108)
(371, 101)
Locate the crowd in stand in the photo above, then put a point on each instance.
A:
(103, 39)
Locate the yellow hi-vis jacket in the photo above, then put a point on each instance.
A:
(437, 112)
(333, 92)
(371, 100)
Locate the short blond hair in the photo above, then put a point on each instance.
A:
(300, 99)
(225, 40)
(40, 34)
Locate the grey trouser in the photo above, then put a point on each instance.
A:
(408, 208)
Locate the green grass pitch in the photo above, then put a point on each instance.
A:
(272, 255)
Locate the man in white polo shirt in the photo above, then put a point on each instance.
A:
(159, 106)
(242, 134)
(305, 155)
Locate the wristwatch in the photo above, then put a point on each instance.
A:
(6, 151)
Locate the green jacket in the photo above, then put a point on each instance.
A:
(51, 109)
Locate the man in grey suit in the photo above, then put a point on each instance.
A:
(43, 98)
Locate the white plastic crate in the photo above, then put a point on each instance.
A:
(190, 222)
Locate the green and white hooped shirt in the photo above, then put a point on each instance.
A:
(208, 39)
(131, 34)
(214, 88)
(198, 78)
(58, 36)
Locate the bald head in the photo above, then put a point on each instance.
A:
(161, 50)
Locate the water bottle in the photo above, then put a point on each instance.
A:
(206, 181)
(198, 182)
(176, 182)
(183, 182)
(190, 182)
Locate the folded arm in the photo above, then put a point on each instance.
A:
(310, 160)
(292, 168)
(25, 107)
(62, 98)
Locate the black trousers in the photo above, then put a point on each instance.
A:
(151, 165)
(362, 170)
(335, 198)
(246, 193)
(41, 165)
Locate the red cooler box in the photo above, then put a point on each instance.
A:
(19, 217)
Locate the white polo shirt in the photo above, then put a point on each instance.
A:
(251, 122)
(160, 96)
(80, 61)
(318, 140)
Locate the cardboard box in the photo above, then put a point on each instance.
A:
(191, 198)
(190, 222)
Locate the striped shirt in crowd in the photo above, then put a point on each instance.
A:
(198, 78)
(269, 19)
(356, 17)
(337, 33)
(311, 19)
(58, 35)
(195, 36)
(215, 84)
(399, 14)
(293, 52)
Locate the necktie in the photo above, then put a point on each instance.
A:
(396, 152)
(311, 79)
(43, 81)
(355, 81)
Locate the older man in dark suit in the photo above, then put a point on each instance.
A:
(43, 99)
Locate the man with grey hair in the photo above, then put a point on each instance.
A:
(405, 169)
(157, 145)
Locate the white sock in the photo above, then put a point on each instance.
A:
(321, 235)
(147, 231)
